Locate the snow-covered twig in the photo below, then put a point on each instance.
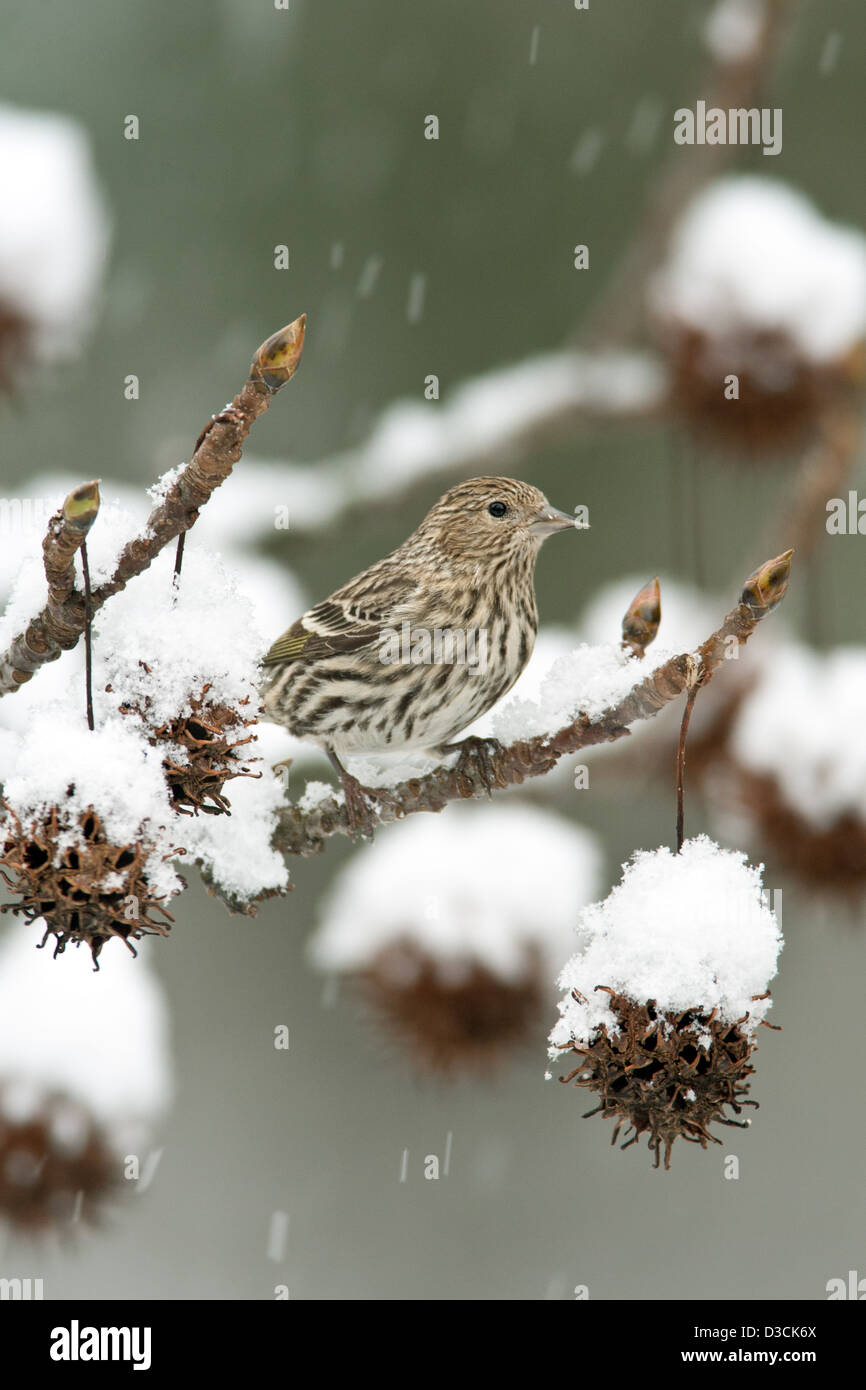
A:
(57, 625)
(217, 449)
(304, 831)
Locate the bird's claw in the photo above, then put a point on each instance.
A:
(476, 753)
(359, 817)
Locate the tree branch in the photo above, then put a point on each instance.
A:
(618, 315)
(61, 622)
(305, 832)
(57, 624)
(823, 474)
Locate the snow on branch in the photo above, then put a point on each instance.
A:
(183, 493)
(617, 699)
(58, 623)
(489, 422)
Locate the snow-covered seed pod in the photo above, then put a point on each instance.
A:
(85, 830)
(54, 234)
(452, 927)
(65, 872)
(798, 753)
(85, 1080)
(179, 661)
(662, 1003)
(761, 311)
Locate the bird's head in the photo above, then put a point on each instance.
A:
(492, 518)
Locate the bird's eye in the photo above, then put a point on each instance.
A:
(497, 509)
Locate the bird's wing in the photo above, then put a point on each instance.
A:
(349, 620)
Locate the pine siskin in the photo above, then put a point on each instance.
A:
(410, 652)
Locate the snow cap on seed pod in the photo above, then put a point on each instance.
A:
(54, 234)
(85, 1081)
(452, 925)
(798, 750)
(665, 995)
(761, 311)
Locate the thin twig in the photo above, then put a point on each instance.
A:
(681, 765)
(178, 558)
(219, 446)
(823, 474)
(88, 637)
(47, 635)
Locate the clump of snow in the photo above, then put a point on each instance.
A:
(237, 850)
(54, 228)
(199, 633)
(690, 931)
(314, 795)
(387, 768)
(688, 617)
(751, 254)
(100, 1039)
(733, 29)
(589, 680)
(204, 631)
(551, 643)
(476, 885)
(23, 524)
(159, 490)
(805, 726)
(57, 761)
(196, 633)
(272, 590)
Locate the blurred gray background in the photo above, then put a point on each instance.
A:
(260, 127)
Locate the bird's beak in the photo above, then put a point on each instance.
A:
(550, 519)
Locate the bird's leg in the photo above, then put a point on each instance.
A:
(475, 753)
(357, 809)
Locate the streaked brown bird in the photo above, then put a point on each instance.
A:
(410, 652)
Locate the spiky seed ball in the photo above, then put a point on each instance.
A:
(829, 858)
(450, 1024)
(85, 887)
(201, 749)
(795, 766)
(56, 1165)
(665, 1075)
(781, 396)
(760, 307)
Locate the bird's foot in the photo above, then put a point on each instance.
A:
(359, 816)
(476, 755)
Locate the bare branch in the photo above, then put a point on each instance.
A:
(63, 619)
(618, 315)
(823, 474)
